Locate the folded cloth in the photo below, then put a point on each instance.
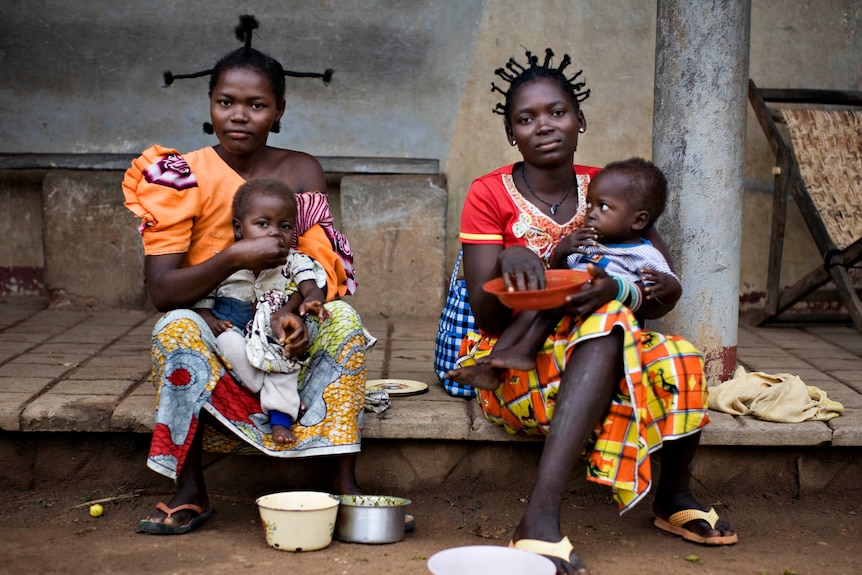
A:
(781, 397)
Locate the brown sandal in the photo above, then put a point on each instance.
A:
(162, 528)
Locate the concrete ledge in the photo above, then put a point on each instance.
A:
(68, 370)
(120, 162)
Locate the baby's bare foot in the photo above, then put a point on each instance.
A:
(282, 435)
(512, 358)
(479, 376)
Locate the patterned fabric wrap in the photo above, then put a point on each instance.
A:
(263, 351)
(662, 397)
(456, 321)
(171, 171)
(190, 375)
(313, 208)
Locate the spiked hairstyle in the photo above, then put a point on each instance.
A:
(517, 75)
(248, 57)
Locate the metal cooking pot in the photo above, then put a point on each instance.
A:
(370, 519)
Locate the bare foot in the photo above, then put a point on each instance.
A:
(479, 376)
(510, 358)
(282, 435)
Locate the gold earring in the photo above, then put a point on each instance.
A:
(514, 142)
(582, 130)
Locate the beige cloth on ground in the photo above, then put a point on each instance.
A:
(781, 397)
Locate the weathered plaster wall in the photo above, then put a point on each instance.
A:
(800, 44)
(412, 80)
(86, 76)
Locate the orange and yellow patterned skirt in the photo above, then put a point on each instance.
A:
(663, 396)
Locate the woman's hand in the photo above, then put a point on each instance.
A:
(289, 330)
(521, 269)
(601, 289)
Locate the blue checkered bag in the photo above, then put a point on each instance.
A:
(455, 321)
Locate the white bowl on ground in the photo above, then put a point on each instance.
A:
(298, 520)
(489, 560)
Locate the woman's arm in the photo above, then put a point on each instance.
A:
(656, 240)
(661, 298)
(173, 286)
(301, 172)
(288, 328)
(480, 265)
(520, 269)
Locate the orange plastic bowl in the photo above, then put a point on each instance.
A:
(558, 285)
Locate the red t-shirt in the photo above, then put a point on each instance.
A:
(495, 212)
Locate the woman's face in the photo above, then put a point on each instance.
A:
(544, 123)
(243, 109)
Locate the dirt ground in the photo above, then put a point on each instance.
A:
(50, 531)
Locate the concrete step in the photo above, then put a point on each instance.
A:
(86, 373)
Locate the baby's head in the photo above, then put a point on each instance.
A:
(647, 187)
(625, 199)
(264, 208)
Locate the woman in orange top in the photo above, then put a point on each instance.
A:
(184, 203)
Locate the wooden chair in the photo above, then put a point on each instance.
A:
(816, 136)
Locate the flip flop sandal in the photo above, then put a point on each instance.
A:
(562, 549)
(161, 528)
(674, 524)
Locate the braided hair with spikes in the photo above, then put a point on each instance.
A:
(252, 59)
(517, 75)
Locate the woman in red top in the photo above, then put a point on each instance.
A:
(600, 381)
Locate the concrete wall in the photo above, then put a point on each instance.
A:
(412, 80)
(86, 76)
(22, 260)
(799, 44)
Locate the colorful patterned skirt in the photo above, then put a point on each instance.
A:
(662, 396)
(190, 375)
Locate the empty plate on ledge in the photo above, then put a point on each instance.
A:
(397, 387)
